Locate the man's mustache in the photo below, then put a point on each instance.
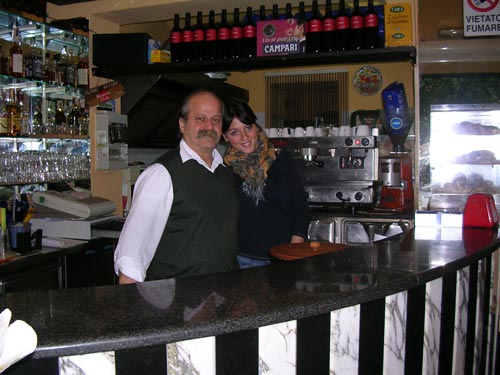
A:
(208, 133)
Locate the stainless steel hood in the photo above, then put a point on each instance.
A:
(152, 103)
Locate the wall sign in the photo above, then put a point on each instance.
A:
(481, 17)
(104, 93)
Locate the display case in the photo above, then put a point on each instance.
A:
(43, 118)
(464, 145)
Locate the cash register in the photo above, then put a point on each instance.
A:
(71, 214)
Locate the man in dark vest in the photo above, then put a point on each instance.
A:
(183, 217)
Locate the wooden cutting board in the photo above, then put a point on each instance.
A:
(292, 251)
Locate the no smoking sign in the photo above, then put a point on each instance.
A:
(481, 17)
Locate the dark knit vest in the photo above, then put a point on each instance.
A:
(200, 236)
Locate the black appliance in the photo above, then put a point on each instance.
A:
(153, 99)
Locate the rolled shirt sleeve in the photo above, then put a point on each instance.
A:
(144, 226)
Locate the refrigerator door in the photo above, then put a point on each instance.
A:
(465, 156)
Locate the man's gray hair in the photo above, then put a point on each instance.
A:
(186, 103)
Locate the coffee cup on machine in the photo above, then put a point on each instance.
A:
(345, 131)
(273, 133)
(310, 131)
(361, 130)
(299, 132)
(334, 131)
(286, 132)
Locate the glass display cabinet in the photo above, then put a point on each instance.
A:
(43, 118)
(465, 159)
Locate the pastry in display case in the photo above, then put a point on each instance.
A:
(465, 154)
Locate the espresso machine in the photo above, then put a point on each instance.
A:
(396, 168)
(337, 172)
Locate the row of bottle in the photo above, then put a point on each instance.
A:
(64, 68)
(21, 116)
(338, 30)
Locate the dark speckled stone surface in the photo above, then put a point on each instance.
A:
(78, 321)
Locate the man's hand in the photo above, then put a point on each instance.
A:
(124, 279)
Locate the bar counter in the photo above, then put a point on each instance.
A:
(420, 302)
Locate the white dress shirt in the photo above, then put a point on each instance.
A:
(149, 212)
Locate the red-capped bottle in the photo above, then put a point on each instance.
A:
(176, 40)
(275, 14)
(199, 38)
(328, 39)
(262, 13)
(223, 37)
(187, 39)
(211, 43)
(314, 27)
(356, 23)
(301, 20)
(371, 27)
(249, 35)
(342, 28)
(288, 11)
(236, 36)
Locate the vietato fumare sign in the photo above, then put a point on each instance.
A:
(481, 17)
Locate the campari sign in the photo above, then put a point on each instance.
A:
(481, 17)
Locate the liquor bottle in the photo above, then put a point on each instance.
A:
(61, 66)
(288, 11)
(302, 16)
(16, 55)
(28, 63)
(211, 38)
(70, 76)
(74, 119)
(176, 40)
(371, 27)
(356, 23)
(37, 123)
(199, 38)
(187, 39)
(275, 14)
(342, 28)
(49, 69)
(328, 39)
(37, 64)
(262, 13)
(223, 37)
(4, 118)
(236, 48)
(314, 27)
(82, 72)
(60, 120)
(301, 21)
(13, 111)
(249, 35)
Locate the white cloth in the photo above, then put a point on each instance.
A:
(17, 340)
(151, 204)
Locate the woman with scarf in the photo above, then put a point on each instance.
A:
(273, 202)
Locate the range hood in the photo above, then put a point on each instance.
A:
(152, 103)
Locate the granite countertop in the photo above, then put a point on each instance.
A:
(11, 261)
(78, 321)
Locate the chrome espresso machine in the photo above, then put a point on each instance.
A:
(341, 176)
(340, 171)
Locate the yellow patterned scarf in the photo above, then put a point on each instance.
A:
(253, 167)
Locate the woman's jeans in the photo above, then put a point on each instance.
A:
(246, 262)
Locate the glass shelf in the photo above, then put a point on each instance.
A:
(41, 35)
